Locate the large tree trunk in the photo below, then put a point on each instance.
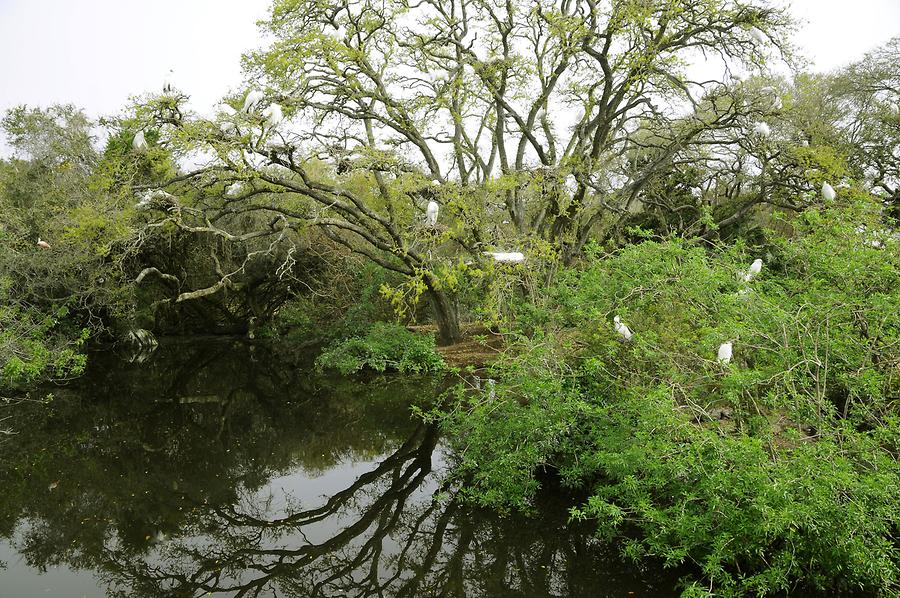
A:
(445, 317)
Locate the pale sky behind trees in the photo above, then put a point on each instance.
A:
(97, 53)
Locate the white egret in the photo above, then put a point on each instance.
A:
(431, 213)
(504, 256)
(758, 35)
(623, 330)
(144, 203)
(762, 129)
(42, 244)
(828, 192)
(234, 189)
(252, 100)
(725, 352)
(755, 268)
(226, 109)
(139, 143)
(273, 115)
(169, 82)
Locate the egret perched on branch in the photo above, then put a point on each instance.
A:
(755, 268)
(758, 35)
(234, 189)
(828, 192)
(169, 82)
(226, 109)
(42, 244)
(762, 129)
(144, 203)
(623, 330)
(725, 352)
(273, 115)
(772, 93)
(226, 113)
(139, 143)
(431, 213)
(252, 100)
(514, 257)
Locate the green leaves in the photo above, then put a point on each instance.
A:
(385, 347)
(777, 470)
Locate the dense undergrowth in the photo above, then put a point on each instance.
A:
(775, 471)
(383, 347)
(37, 345)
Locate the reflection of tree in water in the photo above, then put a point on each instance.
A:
(160, 476)
(380, 536)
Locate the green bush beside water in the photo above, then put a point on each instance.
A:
(776, 470)
(384, 347)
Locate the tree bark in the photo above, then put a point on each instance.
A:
(446, 317)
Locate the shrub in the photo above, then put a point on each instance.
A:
(383, 347)
(37, 346)
(776, 470)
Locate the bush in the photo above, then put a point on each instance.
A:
(37, 346)
(383, 347)
(777, 469)
(345, 302)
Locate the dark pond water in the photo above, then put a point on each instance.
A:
(216, 468)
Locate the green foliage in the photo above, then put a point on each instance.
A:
(37, 346)
(345, 302)
(383, 347)
(753, 517)
(777, 469)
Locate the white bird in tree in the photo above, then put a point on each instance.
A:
(623, 330)
(234, 189)
(273, 115)
(169, 82)
(828, 192)
(252, 100)
(139, 143)
(226, 109)
(42, 244)
(431, 213)
(726, 350)
(144, 203)
(757, 35)
(755, 268)
(762, 129)
(507, 256)
(225, 114)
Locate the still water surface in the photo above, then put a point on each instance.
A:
(218, 468)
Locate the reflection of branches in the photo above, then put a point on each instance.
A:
(379, 540)
(384, 534)
(244, 534)
(8, 402)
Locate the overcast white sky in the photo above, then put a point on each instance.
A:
(97, 53)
